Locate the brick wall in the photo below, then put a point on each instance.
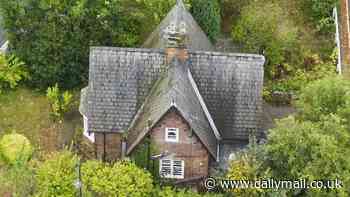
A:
(111, 149)
(189, 148)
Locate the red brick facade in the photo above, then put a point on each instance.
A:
(108, 146)
(189, 148)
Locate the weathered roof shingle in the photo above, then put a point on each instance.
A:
(173, 90)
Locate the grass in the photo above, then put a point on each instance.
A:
(27, 112)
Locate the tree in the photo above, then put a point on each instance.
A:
(53, 37)
(207, 14)
(320, 13)
(264, 28)
(312, 151)
(323, 97)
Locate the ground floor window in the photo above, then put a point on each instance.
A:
(169, 168)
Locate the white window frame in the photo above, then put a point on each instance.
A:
(86, 133)
(171, 175)
(167, 130)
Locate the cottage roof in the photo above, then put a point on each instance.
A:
(120, 79)
(173, 90)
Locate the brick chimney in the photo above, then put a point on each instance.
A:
(345, 37)
(176, 39)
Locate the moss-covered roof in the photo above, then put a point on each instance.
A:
(173, 90)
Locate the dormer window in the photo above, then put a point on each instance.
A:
(172, 135)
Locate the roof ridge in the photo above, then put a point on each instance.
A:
(180, 3)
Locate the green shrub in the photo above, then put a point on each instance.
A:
(121, 179)
(15, 149)
(17, 180)
(263, 27)
(323, 97)
(207, 14)
(60, 103)
(312, 151)
(57, 175)
(53, 37)
(248, 164)
(12, 71)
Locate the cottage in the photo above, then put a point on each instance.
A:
(194, 105)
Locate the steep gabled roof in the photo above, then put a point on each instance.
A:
(198, 40)
(121, 78)
(119, 81)
(173, 90)
(229, 84)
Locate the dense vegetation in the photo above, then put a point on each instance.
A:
(312, 145)
(207, 14)
(53, 37)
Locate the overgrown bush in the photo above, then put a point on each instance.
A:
(60, 102)
(207, 14)
(264, 28)
(57, 175)
(53, 37)
(249, 165)
(311, 151)
(323, 97)
(12, 71)
(15, 149)
(120, 179)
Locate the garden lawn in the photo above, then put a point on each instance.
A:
(28, 112)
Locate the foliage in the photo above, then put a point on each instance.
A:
(141, 157)
(57, 175)
(156, 10)
(17, 180)
(12, 71)
(323, 97)
(297, 78)
(263, 27)
(53, 37)
(320, 13)
(120, 179)
(249, 165)
(207, 14)
(230, 12)
(172, 192)
(15, 148)
(311, 151)
(60, 103)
